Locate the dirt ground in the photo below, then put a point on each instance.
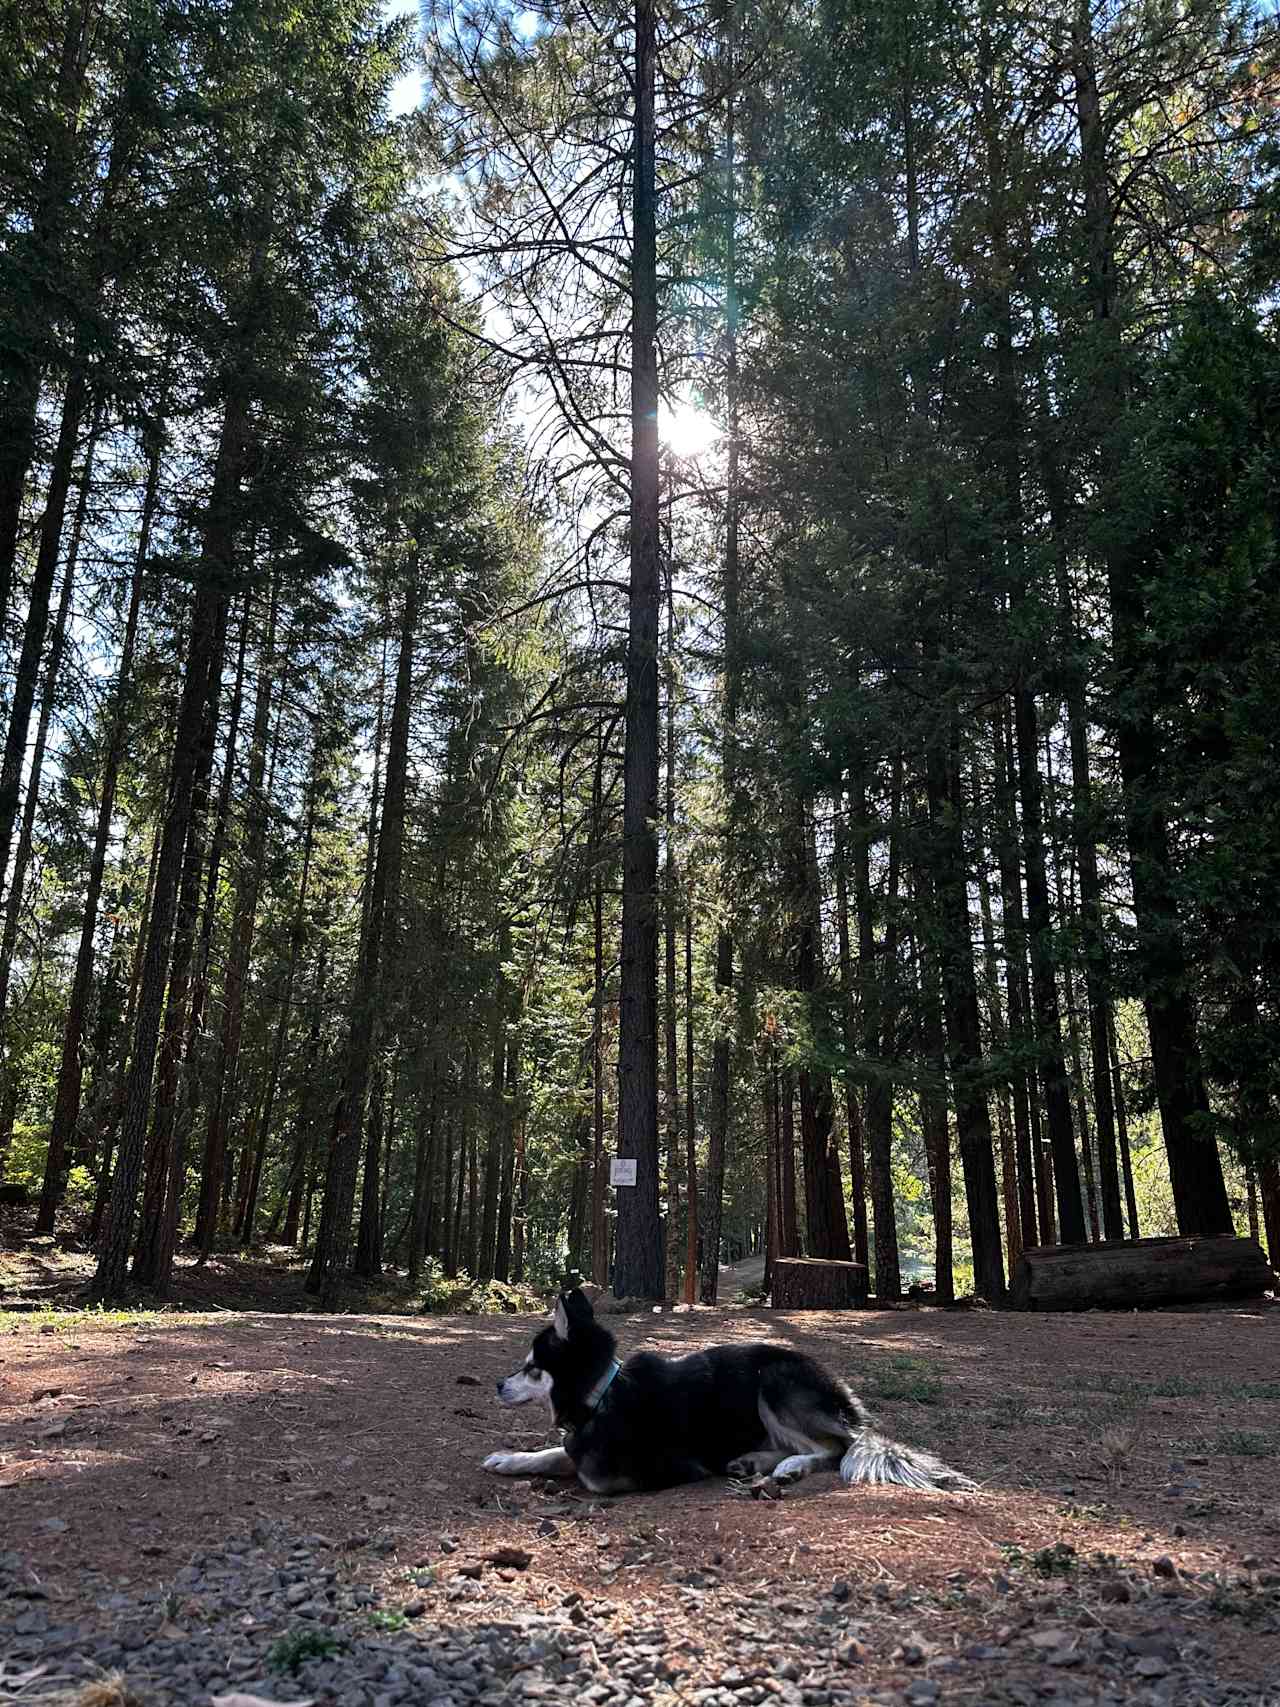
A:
(1130, 1471)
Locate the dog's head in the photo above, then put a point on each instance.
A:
(555, 1355)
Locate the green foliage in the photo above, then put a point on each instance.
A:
(901, 1377)
(290, 1652)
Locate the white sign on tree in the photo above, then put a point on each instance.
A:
(622, 1170)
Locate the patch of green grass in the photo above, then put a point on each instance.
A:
(289, 1652)
(1248, 1443)
(1253, 1390)
(1057, 1561)
(1060, 1560)
(1011, 1410)
(904, 1378)
(1175, 1387)
(88, 1316)
(390, 1623)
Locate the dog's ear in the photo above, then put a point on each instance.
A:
(573, 1310)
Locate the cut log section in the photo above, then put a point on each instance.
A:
(1138, 1274)
(810, 1283)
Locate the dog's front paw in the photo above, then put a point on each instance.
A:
(502, 1463)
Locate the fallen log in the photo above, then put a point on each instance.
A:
(1138, 1274)
(812, 1283)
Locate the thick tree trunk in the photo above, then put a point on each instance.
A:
(1269, 1192)
(1139, 1274)
(1000, 1046)
(788, 1218)
(877, 974)
(963, 1025)
(244, 921)
(810, 1283)
(691, 1128)
(1044, 986)
(203, 661)
(599, 1227)
(933, 1111)
(368, 1257)
(1195, 1168)
(1026, 1138)
(826, 1229)
(720, 1088)
(506, 1193)
(671, 1019)
(66, 1103)
(494, 1121)
(165, 1163)
(849, 1015)
(423, 1147)
(1084, 831)
(638, 1261)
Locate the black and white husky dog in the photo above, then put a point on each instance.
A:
(744, 1411)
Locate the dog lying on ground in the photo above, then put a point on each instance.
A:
(745, 1411)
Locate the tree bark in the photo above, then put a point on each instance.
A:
(70, 1082)
(671, 1019)
(853, 1114)
(1026, 1138)
(333, 1237)
(36, 628)
(877, 972)
(1195, 1168)
(1142, 1273)
(203, 663)
(963, 1025)
(48, 698)
(638, 1261)
(243, 924)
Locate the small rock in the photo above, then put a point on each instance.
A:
(840, 1592)
(922, 1693)
(516, 1558)
(1150, 1665)
(1164, 1567)
(468, 1381)
(913, 1654)
(1116, 1590)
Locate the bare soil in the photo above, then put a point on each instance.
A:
(1125, 1544)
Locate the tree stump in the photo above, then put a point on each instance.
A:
(811, 1283)
(1138, 1274)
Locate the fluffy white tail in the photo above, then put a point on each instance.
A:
(872, 1458)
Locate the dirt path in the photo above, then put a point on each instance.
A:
(225, 1487)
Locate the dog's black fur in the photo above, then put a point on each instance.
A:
(757, 1409)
